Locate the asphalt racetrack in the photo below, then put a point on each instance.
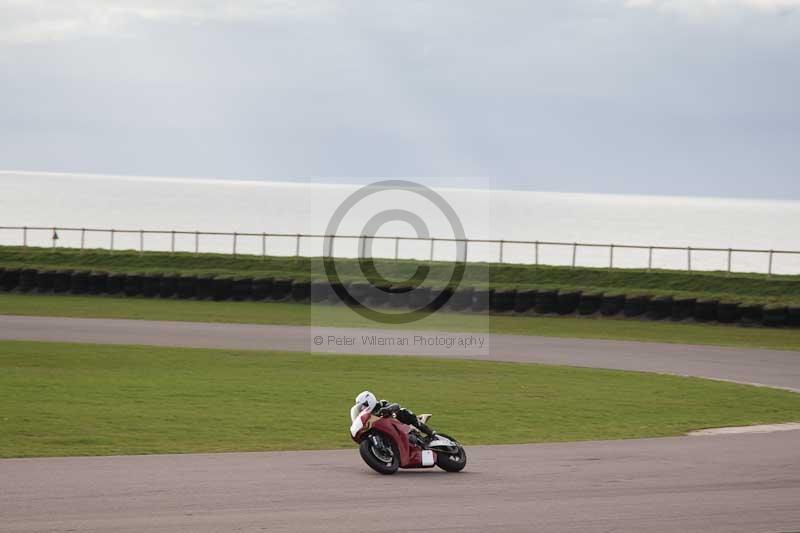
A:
(740, 482)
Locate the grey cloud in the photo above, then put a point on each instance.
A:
(571, 95)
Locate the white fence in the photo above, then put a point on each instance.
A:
(574, 254)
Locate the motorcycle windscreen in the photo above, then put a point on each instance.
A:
(358, 423)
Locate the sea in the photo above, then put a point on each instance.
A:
(62, 201)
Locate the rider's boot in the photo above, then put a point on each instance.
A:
(425, 429)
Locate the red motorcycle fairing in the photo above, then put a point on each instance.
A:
(410, 456)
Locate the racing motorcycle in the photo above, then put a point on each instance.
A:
(387, 444)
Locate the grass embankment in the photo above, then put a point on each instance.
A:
(341, 316)
(70, 399)
(751, 288)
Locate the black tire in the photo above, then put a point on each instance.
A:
(452, 462)
(481, 299)
(378, 464)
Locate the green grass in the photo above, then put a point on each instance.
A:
(753, 288)
(70, 399)
(341, 316)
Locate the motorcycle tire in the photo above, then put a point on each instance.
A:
(452, 462)
(375, 463)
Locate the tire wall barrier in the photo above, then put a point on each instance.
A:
(568, 302)
(728, 312)
(28, 279)
(98, 283)
(301, 291)
(793, 317)
(419, 298)
(45, 281)
(502, 300)
(399, 295)
(379, 296)
(262, 289)
(242, 289)
(776, 316)
(590, 304)
(705, 310)
(62, 281)
(636, 305)
(546, 302)
(132, 286)
(116, 283)
(461, 299)
(320, 291)
(9, 278)
(660, 308)
(222, 289)
(612, 304)
(79, 284)
(752, 314)
(151, 285)
(481, 299)
(204, 287)
(469, 299)
(525, 300)
(169, 285)
(281, 289)
(683, 308)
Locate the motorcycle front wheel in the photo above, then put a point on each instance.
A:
(380, 453)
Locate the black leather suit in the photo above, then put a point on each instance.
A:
(385, 408)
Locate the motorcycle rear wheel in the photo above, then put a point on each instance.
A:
(377, 459)
(453, 462)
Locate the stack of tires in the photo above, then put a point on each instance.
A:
(479, 300)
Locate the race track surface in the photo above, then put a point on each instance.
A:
(724, 483)
(737, 483)
(769, 367)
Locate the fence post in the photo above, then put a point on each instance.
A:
(235, 237)
(730, 252)
(574, 253)
(55, 238)
(466, 248)
(433, 241)
(196, 242)
(611, 257)
(501, 250)
(330, 248)
(396, 248)
(297, 247)
(111, 246)
(769, 270)
(650, 259)
(536, 253)
(83, 238)
(25, 236)
(141, 241)
(172, 243)
(263, 246)
(689, 257)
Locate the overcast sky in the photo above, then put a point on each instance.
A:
(686, 97)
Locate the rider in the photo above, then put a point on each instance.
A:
(367, 400)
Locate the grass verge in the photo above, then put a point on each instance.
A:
(751, 288)
(71, 399)
(341, 316)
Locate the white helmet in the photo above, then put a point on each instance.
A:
(366, 400)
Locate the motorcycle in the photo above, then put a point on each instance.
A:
(386, 444)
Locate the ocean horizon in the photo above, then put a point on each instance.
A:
(76, 200)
